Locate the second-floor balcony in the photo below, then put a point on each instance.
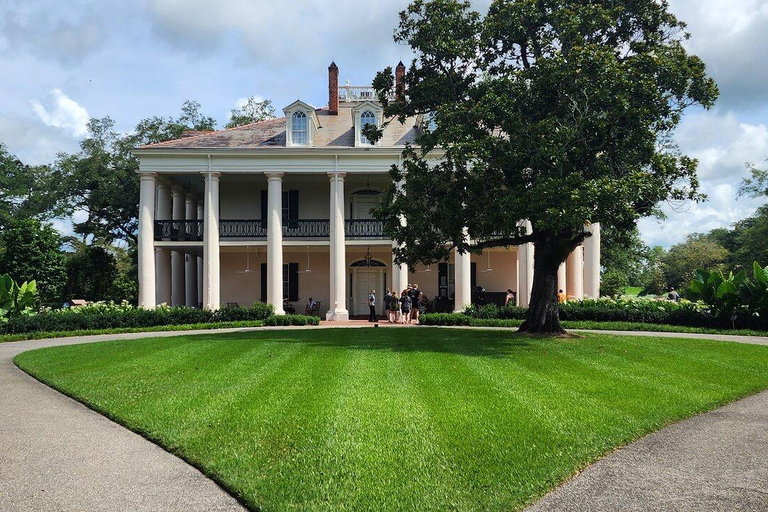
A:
(192, 230)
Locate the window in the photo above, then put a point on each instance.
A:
(299, 128)
(366, 117)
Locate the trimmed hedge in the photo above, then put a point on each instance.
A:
(292, 320)
(110, 316)
(650, 311)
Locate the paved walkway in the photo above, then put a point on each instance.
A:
(56, 454)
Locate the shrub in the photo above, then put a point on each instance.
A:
(493, 311)
(445, 319)
(16, 300)
(292, 320)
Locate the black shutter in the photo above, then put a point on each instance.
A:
(293, 282)
(473, 275)
(293, 208)
(264, 205)
(442, 279)
(263, 282)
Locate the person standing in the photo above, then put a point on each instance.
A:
(405, 306)
(561, 296)
(372, 306)
(510, 297)
(414, 293)
(386, 305)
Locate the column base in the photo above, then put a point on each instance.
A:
(279, 312)
(337, 316)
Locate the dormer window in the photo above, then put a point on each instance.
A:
(301, 124)
(299, 128)
(366, 118)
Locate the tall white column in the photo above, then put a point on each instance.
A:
(211, 265)
(400, 272)
(275, 241)
(575, 273)
(163, 255)
(146, 243)
(562, 283)
(463, 274)
(525, 268)
(199, 299)
(331, 248)
(177, 257)
(339, 310)
(190, 260)
(592, 262)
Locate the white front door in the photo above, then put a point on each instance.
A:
(365, 281)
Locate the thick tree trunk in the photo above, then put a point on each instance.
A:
(543, 316)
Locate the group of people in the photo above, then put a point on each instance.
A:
(404, 307)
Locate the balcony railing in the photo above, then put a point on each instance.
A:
(360, 93)
(364, 228)
(192, 230)
(179, 230)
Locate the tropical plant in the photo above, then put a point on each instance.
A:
(754, 293)
(16, 300)
(718, 291)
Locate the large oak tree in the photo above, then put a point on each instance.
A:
(555, 111)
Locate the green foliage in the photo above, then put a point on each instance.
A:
(682, 260)
(445, 319)
(253, 111)
(91, 273)
(718, 291)
(754, 293)
(292, 320)
(757, 183)
(622, 253)
(16, 300)
(613, 283)
(113, 316)
(30, 250)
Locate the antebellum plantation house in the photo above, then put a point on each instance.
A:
(282, 208)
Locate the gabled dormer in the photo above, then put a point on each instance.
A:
(301, 123)
(366, 112)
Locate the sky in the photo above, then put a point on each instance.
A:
(62, 63)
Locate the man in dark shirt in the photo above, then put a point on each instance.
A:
(414, 293)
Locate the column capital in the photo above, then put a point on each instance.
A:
(191, 198)
(177, 190)
(336, 174)
(147, 175)
(212, 175)
(274, 175)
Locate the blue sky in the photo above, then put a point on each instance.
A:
(63, 62)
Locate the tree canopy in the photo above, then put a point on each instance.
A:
(253, 111)
(555, 111)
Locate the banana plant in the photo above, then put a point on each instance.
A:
(721, 293)
(754, 292)
(16, 300)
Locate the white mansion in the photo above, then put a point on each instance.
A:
(282, 208)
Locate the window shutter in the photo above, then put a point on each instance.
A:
(473, 275)
(263, 282)
(442, 279)
(293, 282)
(293, 205)
(264, 205)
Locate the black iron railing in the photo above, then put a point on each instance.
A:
(364, 228)
(242, 228)
(179, 230)
(307, 228)
(192, 230)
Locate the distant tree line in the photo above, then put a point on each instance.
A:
(96, 188)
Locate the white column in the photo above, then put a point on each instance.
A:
(592, 262)
(525, 269)
(146, 243)
(190, 260)
(275, 241)
(211, 265)
(562, 279)
(400, 272)
(463, 274)
(163, 255)
(338, 251)
(177, 257)
(199, 299)
(331, 248)
(575, 273)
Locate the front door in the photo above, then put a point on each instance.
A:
(365, 281)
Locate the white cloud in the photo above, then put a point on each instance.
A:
(32, 141)
(63, 112)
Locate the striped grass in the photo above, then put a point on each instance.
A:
(396, 419)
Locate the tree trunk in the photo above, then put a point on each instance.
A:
(543, 315)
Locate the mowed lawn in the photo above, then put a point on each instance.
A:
(397, 419)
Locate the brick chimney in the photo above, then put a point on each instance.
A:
(400, 81)
(333, 89)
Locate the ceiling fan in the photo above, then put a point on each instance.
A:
(248, 269)
(488, 268)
